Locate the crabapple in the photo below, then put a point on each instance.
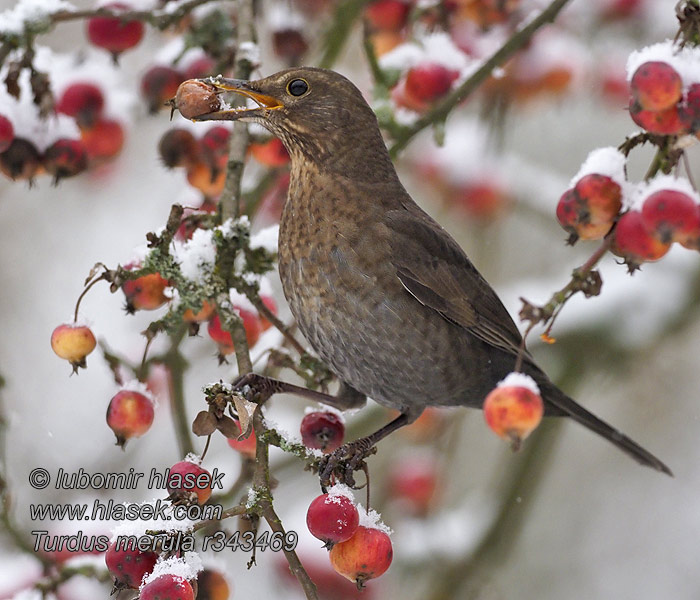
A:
(212, 585)
(246, 447)
(21, 160)
(158, 85)
(194, 98)
(65, 158)
(322, 430)
(103, 140)
(289, 43)
(387, 15)
(429, 81)
(83, 101)
(251, 323)
(189, 482)
(178, 148)
(635, 243)
(129, 415)
(129, 565)
(332, 518)
(670, 121)
(271, 153)
(167, 587)
(513, 411)
(672, 216)
(414, 483)
(589, 209)
(200, 67)
(656, 86)
(144, 293)
(203, 314)
(114, 33)
(366, 555)
(73, 343)
(7, 133)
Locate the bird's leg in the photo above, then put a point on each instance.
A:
(258, 388)
(350, 457)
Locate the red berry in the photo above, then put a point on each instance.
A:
(144, 293)
(483, 200)
(322, 430)
(188, 482)
(271, 153)
(656, 86)
(65, 158)
(513, 412)
(203, 314)
(366, 555)
(104, 140)
(7, 133)
(113, 33)
(129, 566)
(82, 101)
(73, 343)
(21, 160)
(429, 81)
(195, 98)
(634, 242)
(589, 209)
(251, 323)
(414, 483)
(246, 447)
(332, 518)
(672, 216)
(486, 13)
(389, 15)
(158, 85)
(200, 67)
(289, 43)
(690, 110)
(129, 415)
(671, 121)
(214, 146)
(167, 587)
(212, 585)
(178, 148)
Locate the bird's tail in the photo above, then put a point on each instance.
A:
(567, 406)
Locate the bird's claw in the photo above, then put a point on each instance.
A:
(255, 388)
(341, 464)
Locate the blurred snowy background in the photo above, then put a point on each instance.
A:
(584, 521)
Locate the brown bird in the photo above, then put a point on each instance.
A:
(380, 290)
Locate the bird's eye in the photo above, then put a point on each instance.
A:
(297, 87)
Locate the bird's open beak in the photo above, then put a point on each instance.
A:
(243, 88)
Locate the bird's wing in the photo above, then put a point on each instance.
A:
(436, 271)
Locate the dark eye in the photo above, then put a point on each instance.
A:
(297, 87)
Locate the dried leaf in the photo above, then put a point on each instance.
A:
(228, 427)
(245, 415)
(204, 424)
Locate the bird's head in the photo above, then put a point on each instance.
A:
(318, 114)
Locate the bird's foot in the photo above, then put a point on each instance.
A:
(340, 465)
(256, 388)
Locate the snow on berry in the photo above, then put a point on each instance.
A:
(186, 567)
(332, 519)
(685, 61)
(608, 161)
